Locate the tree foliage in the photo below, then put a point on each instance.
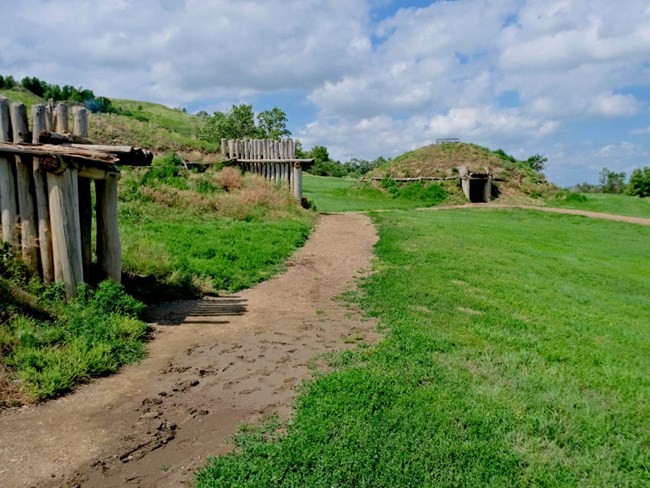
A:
(640, 182)
(611, 181)
(239, 123)
(536, 162)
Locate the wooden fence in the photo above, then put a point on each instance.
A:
(274, 160)
(45, 193)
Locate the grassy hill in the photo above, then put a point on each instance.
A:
(149, 125)
(514, 178)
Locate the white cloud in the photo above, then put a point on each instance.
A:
(503, 73)
(179, 50)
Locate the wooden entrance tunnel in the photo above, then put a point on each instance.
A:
(45, 193)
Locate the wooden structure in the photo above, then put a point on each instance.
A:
(274, 160)
(45, 193)
(477, 187)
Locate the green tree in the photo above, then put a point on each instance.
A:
(611, 181)
(273, 124)
(640, 182)
(9, 82)
(536, 162)
(236, 123)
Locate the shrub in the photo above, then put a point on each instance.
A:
(640, 182)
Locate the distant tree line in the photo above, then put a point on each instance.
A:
(323, 165)
(65, 93)
(614, 182)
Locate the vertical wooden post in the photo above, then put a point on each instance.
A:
(50, 123)
(109, 254)
(28, 234)
(80, 128)
(66, 234)
(224, 148)
(8, 204)
(61, 117)
(297, 181)
(39, 117)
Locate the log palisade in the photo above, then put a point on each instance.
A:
(46, 181)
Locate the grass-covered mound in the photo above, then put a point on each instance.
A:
(513, 179)
(47, 346)
(512, 357)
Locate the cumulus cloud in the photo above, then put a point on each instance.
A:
(506, 73)
(185, 49)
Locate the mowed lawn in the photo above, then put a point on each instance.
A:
(347, 195)
(516, 353)
(608, 203)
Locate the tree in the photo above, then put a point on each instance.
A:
(640, 182)
(273, 124)
(611, 181)
(536, 162)
(236, 123)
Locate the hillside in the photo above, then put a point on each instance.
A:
(149, 125)
(513, 178)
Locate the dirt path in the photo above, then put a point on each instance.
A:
(214, 364)
(568, 211)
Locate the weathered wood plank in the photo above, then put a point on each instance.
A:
(109, 254)
(66, 233)
(80, 129)
(24, 185)
(8, 199)
(39, 118)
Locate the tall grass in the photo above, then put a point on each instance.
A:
(512, 357)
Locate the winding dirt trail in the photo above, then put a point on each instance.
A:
(214, 364)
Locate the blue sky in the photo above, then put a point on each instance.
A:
(569, 79)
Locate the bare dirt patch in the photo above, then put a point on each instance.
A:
(212, 365)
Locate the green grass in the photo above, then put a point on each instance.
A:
(607, 203)
(21, 95)
(331, 194)
(512, 357)
(168, 118)
(92, 335)
(231, 254)
(201, 232)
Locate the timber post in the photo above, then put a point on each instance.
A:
(39, 117)
(24, 181)
(56, 171)
(8, 201)
(80, 128)
(273, 160)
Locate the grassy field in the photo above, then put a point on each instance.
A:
(603, 202)
(512, 357)
(343, 195)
